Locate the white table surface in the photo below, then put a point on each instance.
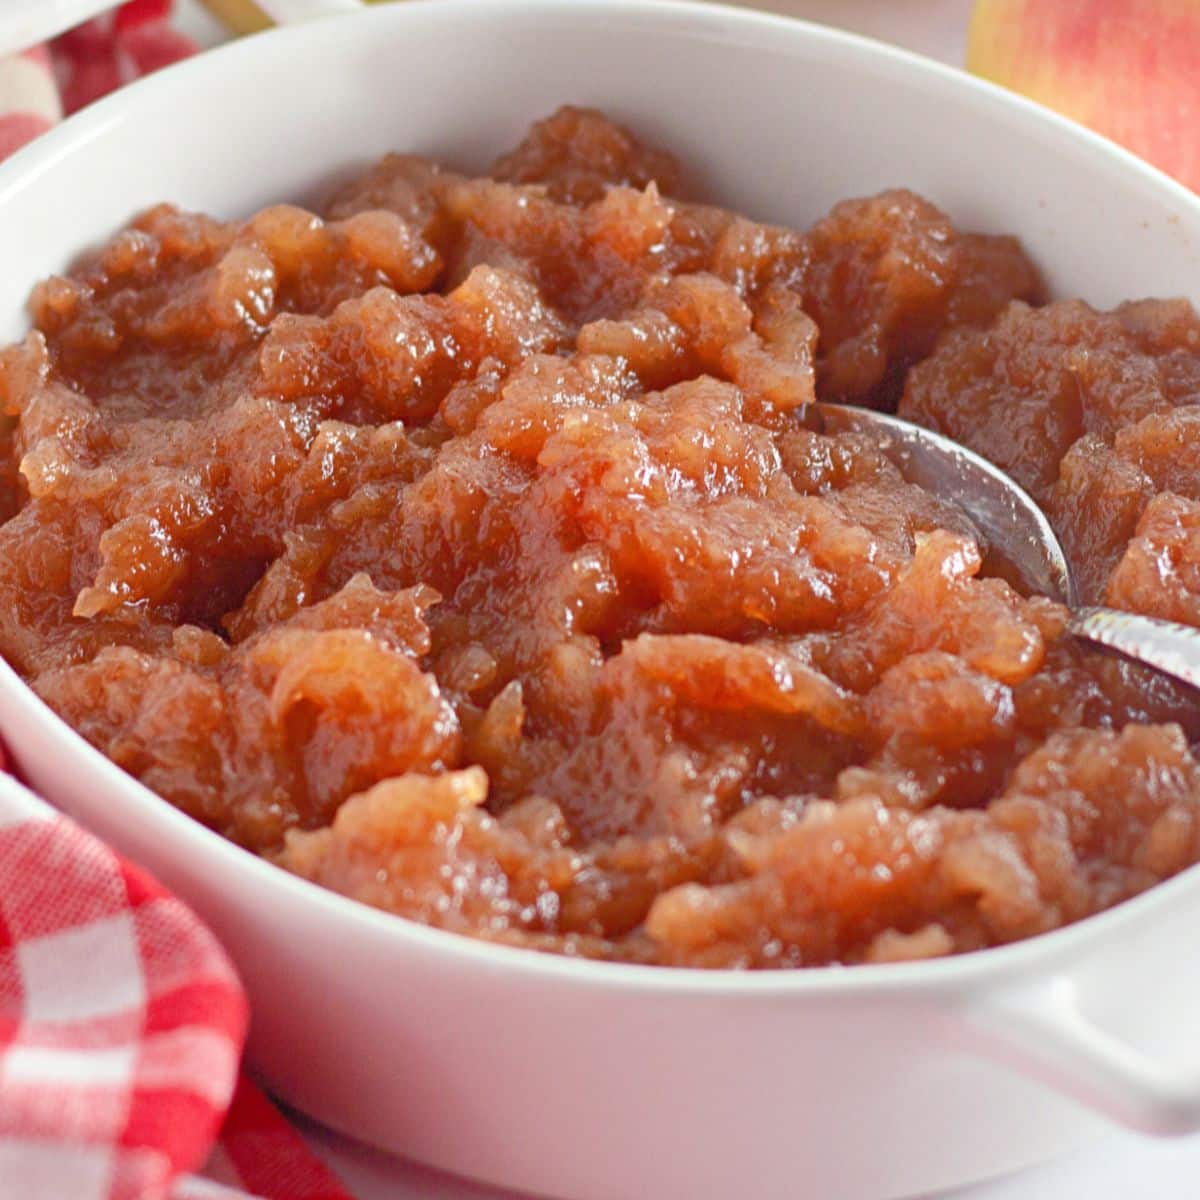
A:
(1120, 1166)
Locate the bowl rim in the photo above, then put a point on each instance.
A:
(1041, 953)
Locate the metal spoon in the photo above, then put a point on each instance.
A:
(1017, 528)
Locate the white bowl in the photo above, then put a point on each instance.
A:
(592, 1080)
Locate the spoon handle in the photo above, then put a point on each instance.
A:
(1174, 649)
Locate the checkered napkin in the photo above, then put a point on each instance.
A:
(45, 82)
(121, 1019)
(121, 1030)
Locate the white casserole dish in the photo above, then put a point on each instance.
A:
(596, 1081)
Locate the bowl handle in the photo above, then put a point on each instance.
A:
(291, 12)
(1052, 1039)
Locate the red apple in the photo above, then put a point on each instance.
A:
(1129, 69)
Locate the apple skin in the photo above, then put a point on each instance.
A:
(1129, 69)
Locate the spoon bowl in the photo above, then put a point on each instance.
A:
(1018, 534)
(1014, 527)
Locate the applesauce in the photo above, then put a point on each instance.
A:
(467, 545)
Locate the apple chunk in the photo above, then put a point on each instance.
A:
(1129, 69)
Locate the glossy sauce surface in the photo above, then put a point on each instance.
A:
(466, 547)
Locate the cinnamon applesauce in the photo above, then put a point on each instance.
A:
(468, 546)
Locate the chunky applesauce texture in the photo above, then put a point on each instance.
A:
(468, 546)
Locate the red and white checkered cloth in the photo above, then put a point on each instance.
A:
(121, 1030)
(39, 86)
(121, 1019)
